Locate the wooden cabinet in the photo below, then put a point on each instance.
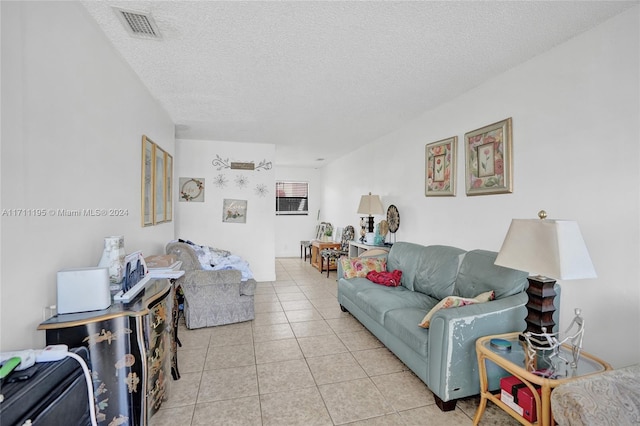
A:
(316, 247)
(130, 347)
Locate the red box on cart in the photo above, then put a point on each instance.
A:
(519, 397)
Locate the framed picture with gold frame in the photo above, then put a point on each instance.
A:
(489, 159)
(440, 168)
(159, 201)
(168, 194)
(147, 181)
(157, 178)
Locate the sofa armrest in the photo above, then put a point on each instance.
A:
(453, 332)
(248, 287)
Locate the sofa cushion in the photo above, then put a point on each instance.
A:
(437, 271)
(478, 274)
(388, 278)
(351, 287)
(412, 258)
(405, 257)
(402, 324)
(454, 302)
(376, 302)
(360, 266)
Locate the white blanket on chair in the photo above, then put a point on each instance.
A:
(213, 259)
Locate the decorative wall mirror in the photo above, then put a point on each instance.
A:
(157, 175)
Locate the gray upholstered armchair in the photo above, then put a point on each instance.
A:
(212, 297)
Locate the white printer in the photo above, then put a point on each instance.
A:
(83, 289)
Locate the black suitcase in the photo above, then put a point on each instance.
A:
(56, 395)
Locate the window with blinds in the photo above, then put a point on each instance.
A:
(292, 198)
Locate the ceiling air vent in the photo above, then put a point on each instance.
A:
(138, 24)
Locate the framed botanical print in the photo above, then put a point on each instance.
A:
(440, 168)
(489, 163)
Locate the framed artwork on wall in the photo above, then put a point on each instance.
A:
(147, 181)
(234, 211)
(159, 185)
(440, 168)
(489, 163)
(191, 189)
(168, 194)
(157, 178)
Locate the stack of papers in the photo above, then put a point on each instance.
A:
(171, 268)
(172, 271)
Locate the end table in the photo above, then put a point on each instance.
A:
(513, 361)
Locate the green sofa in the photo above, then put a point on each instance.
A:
(443, 356)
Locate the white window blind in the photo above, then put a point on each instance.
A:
(292, 198)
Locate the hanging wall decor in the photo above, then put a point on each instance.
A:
(224, 163)
(261, 190)
(220, 181)
(489, 163)
(156, 188)
(264, 165)
(147, 181)
(192, 189)
(234, 211)
(440, 168)
(241, 181)
(221, 163)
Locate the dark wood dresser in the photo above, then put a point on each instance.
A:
(131, 348)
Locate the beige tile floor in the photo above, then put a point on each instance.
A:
(302, 361)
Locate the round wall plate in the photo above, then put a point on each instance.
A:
(393, 218)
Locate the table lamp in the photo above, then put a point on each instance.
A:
(555, 250)
(370, 205)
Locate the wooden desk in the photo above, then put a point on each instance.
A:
(513, 362)
(316, 247)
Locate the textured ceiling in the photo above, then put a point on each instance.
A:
(320, 79)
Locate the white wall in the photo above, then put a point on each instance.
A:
(291, 229)
(576, 130)
(73, 116)
(201, 222)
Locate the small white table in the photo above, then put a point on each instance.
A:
(356, 249)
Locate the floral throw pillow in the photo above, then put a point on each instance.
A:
(455, 301)
(360, 266)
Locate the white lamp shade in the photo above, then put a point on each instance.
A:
(552, 248)
(370, 205)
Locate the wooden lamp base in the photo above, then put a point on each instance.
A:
(540, 307)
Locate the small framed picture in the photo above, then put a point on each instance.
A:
(489, 163)
(234, 211)
(191, 189)
(440, 168)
